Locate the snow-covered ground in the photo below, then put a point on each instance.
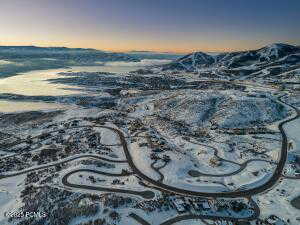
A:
(10, 201)
(211, 129)
(292, 130)
(274, 202)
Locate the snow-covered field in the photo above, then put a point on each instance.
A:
(202, 123)
(10, 201)
(277, 203)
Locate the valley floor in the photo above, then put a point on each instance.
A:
(152, 147)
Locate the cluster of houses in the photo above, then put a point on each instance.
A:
(157, 145)
(248, 130)
(223, 222)
(292, 168)
(7, 140)
(11, 164)
(271, 220)
(195, 205)
(54, 144)
(135, 125)
(183, 205)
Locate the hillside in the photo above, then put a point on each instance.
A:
(17, 59)
(275, 62)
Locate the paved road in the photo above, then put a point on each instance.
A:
(144, 194)
(164, 187)
(242, 166)
(292, 178)
(157, 170)
(196, 173)
(190, 216)
(139, 219)
(2, 176)
(239, 193)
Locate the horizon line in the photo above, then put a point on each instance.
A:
(144, 50)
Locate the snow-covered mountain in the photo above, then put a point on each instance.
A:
(20, 59)
(283, 53)
(203, 108)
(276, 51)
(265, 55)
(191, 62)
(275, 62)
(81, 55)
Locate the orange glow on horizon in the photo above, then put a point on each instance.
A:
(143, 26)
(123, 48)
(130, 45)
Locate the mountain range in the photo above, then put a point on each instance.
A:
(19, 59)
(272, 60)
(77, 55)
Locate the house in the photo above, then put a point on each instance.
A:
(157, 150)
(62, 131)
(205, 205)
(154, 156)
(75, 123)
(223, 222)
(179, 205)
(143, 144)
(195, 205)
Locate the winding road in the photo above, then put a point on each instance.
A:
(2, 176)
(191, 216)
(159, 185)
(239, 193)
(144, 194)
(242, 166)
(164, 187)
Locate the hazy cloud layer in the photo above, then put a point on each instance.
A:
(144, 62)
(4, 62)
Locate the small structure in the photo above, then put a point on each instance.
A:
(179, 205)
(143, 144)
(205, 205)
(157, 150)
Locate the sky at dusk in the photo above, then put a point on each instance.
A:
(157, 25)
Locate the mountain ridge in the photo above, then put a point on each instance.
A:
(253, 60)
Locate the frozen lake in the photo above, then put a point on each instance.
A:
(35, 83)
